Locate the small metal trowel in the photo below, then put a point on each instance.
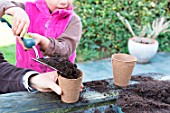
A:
(44, 63)
(48, 66)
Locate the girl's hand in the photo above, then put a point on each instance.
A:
(37, 37)
(40, 40)
(21, 22)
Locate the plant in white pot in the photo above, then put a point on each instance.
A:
(145, 46)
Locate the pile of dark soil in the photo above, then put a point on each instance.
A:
(101, 86)
(63, 65)
(105, 87)
(149, 96)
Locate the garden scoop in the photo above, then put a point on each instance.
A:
(27, 40)
(44, 63)
(35, 59)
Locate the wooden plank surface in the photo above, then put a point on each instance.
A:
(21, 102)
(93, 95)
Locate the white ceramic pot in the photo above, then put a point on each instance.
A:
(143, 52)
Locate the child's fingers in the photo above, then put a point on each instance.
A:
(15, 25)
(24, 31)
(33, 35)
(21, 42)
(20, 28)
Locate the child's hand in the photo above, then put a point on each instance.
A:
(40, 40)
(37, 37)
(21, 42)
(21, 22)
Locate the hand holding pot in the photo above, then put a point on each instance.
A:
(70, 88)
(46, 82)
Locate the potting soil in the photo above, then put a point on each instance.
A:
(61, 63)
(149, 96)
(146, 96)
(101, 86)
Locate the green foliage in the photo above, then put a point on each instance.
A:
(103, 32)
(9, 53)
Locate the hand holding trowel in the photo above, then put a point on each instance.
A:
(27, 40)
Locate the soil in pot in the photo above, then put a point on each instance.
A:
(149, 96)
(143, 40)
(70, 78)
(62, 64)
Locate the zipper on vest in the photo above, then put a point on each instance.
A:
(48, 22)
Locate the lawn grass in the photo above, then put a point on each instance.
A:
(7, 43)
(9, 53)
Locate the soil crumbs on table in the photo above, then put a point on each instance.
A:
(149, 96)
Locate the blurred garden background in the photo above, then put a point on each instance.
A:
(103, 33)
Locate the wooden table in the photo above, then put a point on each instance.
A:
(50, 102)
(90, 98)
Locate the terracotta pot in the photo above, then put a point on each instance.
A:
(143, 52)
(122, 66)
(70, 88)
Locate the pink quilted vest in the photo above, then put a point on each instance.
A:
(46, 24)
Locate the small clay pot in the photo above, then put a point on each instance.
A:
(70, 88)
(122, 66)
